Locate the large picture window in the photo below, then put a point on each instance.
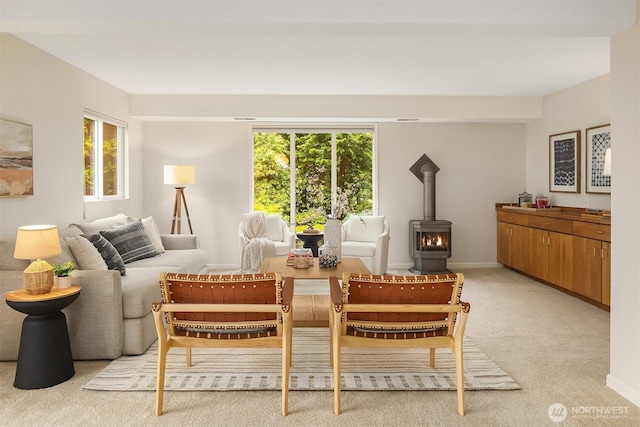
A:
(307, 175)
(104, 142)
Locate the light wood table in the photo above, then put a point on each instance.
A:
(312, 310)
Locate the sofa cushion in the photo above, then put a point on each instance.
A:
(86, 255)
(358, 249)
(94, 227)
(282, 248)
(151, 228)
(365, 228)
(274, 228)
(108, 253)
(131, 241)
(193, 260)
(67, 254)
(140, 288)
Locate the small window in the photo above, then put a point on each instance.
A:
(104, 145)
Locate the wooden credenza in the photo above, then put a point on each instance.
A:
(563, 249)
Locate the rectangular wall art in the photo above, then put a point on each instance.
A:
(564, 162)
(598, 139)
(16, 159)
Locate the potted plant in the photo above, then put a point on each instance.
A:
(61, 273)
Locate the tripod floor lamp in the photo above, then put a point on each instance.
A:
(179, 176)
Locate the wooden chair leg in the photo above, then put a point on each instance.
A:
(460, 379)
(162, 360)
(336, 362)
(188, 353)
(432, 357)
(286, 360)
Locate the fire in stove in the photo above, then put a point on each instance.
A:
(429, 242)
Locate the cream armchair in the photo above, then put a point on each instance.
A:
(277, 231)
(367, 238)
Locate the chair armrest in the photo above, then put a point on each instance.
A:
(336, 291)
(287, 290)
(179, 241)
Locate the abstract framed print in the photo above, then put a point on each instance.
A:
(564, 162)
(597, 140)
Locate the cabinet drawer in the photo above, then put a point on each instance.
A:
(513, 218)
(592, 230)
(552, 224)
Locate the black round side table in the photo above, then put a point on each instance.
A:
(44, 357)
(311, 241)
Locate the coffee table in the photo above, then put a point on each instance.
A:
(312, 310)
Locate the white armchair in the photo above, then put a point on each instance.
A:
(277, 231)
(367, 238)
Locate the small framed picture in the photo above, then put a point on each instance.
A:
(564, 162)
(597, 140)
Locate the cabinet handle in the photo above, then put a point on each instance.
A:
(594, 251)
(602, 253)
(547, 223)
(599, 232)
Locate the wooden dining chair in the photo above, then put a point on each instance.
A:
(398, 311)
(244, 310)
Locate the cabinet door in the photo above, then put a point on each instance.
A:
(560, 260)
(504, 243)
(587, 268)
(538, 253)
(606, 273)
(520, 248)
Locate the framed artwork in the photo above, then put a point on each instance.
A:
(16, 159)
(564, 162)
(597, 140)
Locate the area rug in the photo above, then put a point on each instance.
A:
(259, 369)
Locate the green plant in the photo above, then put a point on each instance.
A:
(63, 270)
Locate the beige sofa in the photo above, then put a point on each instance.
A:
(112, 316)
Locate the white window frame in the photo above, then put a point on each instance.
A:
(122, 149)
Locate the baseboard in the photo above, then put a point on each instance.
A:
(623, 389)
(450, 265)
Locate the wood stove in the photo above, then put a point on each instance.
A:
(429, 239)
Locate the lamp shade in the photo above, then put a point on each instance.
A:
(606, 171)
(179, 174)
(37, 241)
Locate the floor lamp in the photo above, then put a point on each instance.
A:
(179, 176)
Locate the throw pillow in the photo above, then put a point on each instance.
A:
(86, 255)
(151, 228)
(107, 252)
(131, 241)
(94, 227)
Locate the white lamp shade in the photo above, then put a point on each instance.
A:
(37, 241)
(606, 171)
(179, 174)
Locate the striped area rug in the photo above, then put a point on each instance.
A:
(259, 369)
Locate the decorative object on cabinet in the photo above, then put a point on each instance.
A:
(564, 162)
(179, 176)
(597, 143)
(16, 159)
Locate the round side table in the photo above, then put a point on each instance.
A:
(44, 357)
(311, 241)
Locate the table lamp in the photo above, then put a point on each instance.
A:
(179, 176)
(36, 242)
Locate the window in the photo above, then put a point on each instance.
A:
(104, 145)
(306, 175)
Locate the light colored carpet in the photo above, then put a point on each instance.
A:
(259, 369)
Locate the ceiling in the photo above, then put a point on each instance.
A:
(323, 47)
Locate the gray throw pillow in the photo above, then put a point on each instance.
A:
(131, 241)
(107, 252)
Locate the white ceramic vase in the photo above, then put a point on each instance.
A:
(333, 235)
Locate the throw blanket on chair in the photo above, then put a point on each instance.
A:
(258, 247)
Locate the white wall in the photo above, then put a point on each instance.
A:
(624, 375)
(576, 108)
(474, 175)
(49, 94)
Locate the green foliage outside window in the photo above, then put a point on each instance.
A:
(313, 198)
